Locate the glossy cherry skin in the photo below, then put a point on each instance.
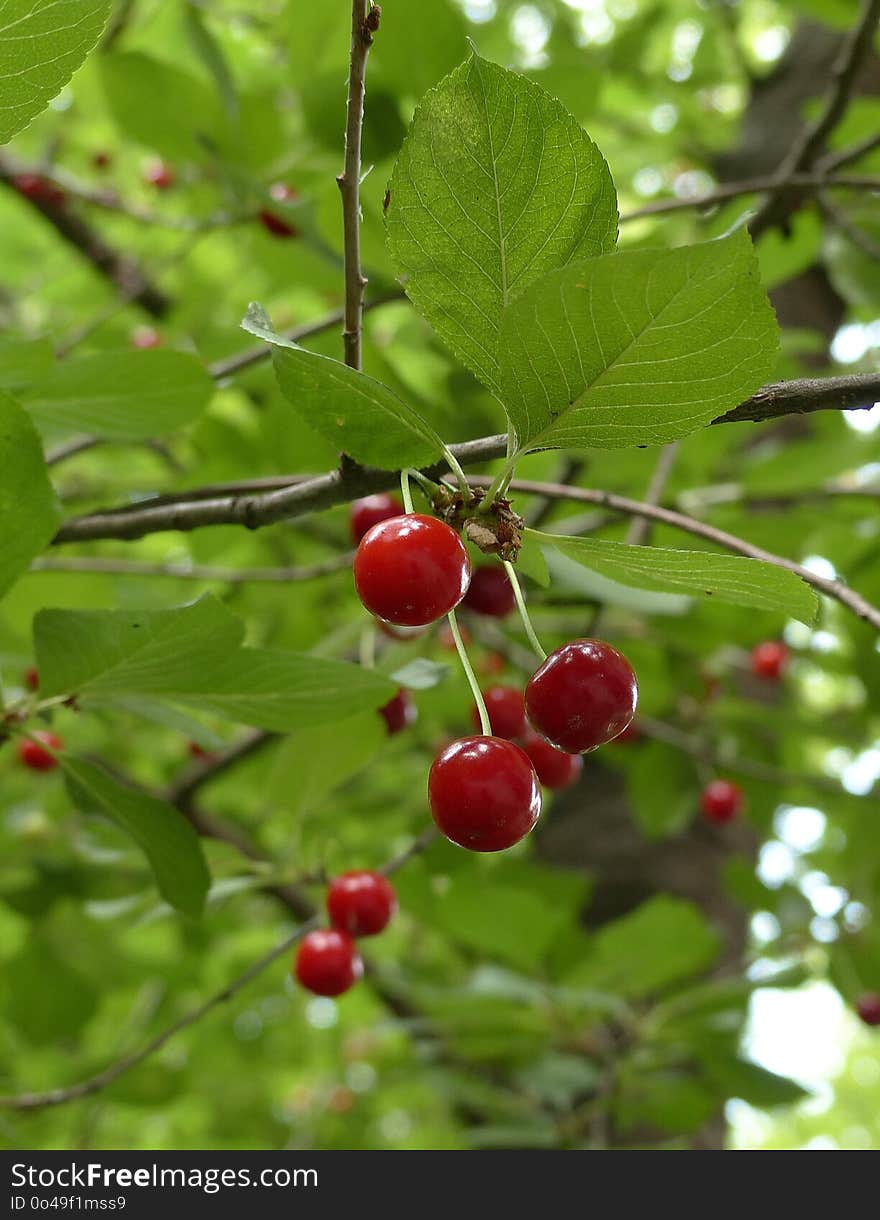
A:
(361, 903)
(34, 756)
(868, 1008)
(327, 962)
(770, 660)
(31, 678)
(490, 592)
(161, 175)
(370, 511)
(583, 695)
(721, 801)
(276, 225)
(411, 570)
(630, 735)
(484, 793)
(507, 712)
(555, 769)
(399, 712)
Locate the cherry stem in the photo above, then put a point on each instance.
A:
(485, 726)
(460, 476)
(406, 492)
(523, 612)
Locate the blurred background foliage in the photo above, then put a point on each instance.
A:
(594, 986)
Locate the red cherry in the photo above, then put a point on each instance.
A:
(484, 793)
(145, 337)
(160, 175)
(555, 768)
(31, 678)
(399, 712)
(583, 695)
(770, 660)
(282, 192)
(721, 801)
(276, 225)
(361, 903)
(507, 711)
(369, 511)
(411, 570)
(40, 189)
(327, 962)
(490, 592)
(34, 756)
(868, 1007)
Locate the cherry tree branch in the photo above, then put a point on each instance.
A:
(853, 53)
(753, 186)
(364, 23)
(122, 270)
(256, 509)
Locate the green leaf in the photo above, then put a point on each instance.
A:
(23, 362)
(41, 46)
(421, 674)
(168, 841)
(29, 514)
(191, 655)
(122, 395)
(753, 1083)
(638, 347)
(495, 184)
(161, 106)
(662, 942)
(392, 61)
(700, 574)
(312, 753)
(354, 412)
(95, 653)
(51, 1000)
(570, 577)
(284, 690)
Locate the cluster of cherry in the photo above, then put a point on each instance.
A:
(327, 961)
(484, 791)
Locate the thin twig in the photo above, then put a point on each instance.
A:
(751, 186)
(192, 571)
(729, 542)
(802, 156)
(852, 232)
(364, 23)
(670, 735)
(847, 156)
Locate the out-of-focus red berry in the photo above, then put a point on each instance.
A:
(770, 660)
(399, 712)
(35, 756)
